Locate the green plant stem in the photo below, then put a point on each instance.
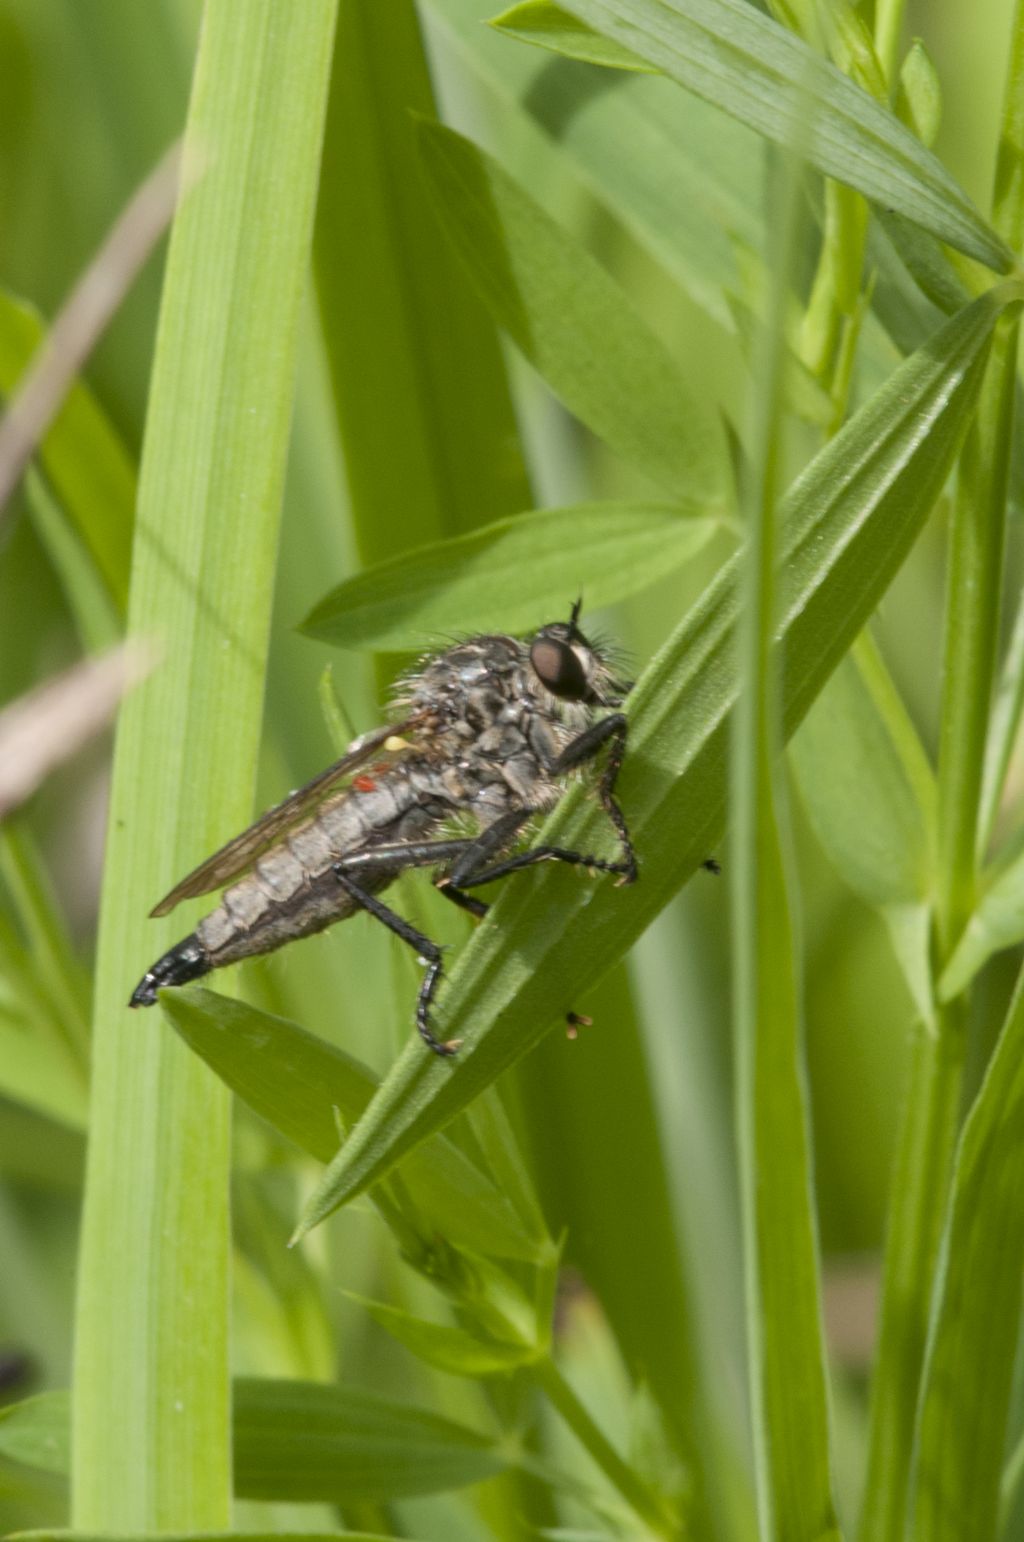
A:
(924, 1164)
(888, 27)
(920, 1182)
(622, 1477)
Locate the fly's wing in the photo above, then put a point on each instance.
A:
(243, 851)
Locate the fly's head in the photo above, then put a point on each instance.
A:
(572, 668)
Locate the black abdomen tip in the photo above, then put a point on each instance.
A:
(185, 961)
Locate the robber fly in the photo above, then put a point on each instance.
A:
(488, 733)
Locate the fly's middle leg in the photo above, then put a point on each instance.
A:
(427, 950)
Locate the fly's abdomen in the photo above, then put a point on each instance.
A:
(249, 920)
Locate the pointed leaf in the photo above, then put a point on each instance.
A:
(300, 1440)
(997, 923)
(769, 78)
(298, 1082)
(512, 575)
(573, 322)
(451, 1349)
(303, 1440)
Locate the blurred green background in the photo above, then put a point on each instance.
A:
(91, 93)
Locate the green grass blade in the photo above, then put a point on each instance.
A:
(968, 1373)
(83, 457)
(512, 575)
(573, 322)
(785, 1339)
(851, 518)
(413, 356)
(152, 1321)
(755, 69)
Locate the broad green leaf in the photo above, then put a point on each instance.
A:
(919, 100)
(84, 460)
(770, 79)
(300, 1083)
(866, 783)
(300, 1440)
(303, 1440)
(997, 923)
(38, 1431)
(512, 575)
(870, 796)
(547, 25)
(968, 1373)
(151, 1331)
(573, 322)
(414, 359)
(681, 176)
(848, 522)
(455, 1350)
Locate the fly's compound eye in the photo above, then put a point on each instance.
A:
(558, 667)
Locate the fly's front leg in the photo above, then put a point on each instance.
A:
(427, 951)
(583, 748)
(470, 869)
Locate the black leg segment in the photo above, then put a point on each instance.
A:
(428, 951)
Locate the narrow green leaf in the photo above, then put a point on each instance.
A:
(785, 1339)
(303, 1440)
(299, 1083)
(83, 457)
(573, 322)
(849, 521)
(997, 923)
(151, 1327)
(547, 25)
(455, 1350)
(769, 78)
(300, 1440)
(968, 1373)
(511, 575)
(415, 360)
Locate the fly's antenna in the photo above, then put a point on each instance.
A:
(575, 615)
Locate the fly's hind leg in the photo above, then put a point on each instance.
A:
(428, 951)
